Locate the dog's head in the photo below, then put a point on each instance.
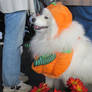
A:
(45, 23)
(54, 18)
(40, 22)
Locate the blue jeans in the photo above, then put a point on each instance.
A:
(14, 31)
(83, 14)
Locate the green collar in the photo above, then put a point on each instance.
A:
(68, 51)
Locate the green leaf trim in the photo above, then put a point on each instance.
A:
(54, 3)
(43, 60)
(68, 51)
(46, 59)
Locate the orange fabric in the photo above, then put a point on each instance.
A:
(56, 67)
(62, 15)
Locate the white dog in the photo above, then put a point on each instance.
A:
(72, 37)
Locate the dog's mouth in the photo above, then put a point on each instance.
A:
(39, 27)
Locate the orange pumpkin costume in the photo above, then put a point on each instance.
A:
(63, 18)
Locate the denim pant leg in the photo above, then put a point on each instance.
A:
(14, 30)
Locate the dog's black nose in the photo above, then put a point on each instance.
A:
(33, 19)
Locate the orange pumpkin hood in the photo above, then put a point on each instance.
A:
(62, 16)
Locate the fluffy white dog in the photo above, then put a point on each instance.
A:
(72, 37)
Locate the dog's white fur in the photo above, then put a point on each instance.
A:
(44, 43)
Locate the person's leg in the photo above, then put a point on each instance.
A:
(14, 30)
(83, 14)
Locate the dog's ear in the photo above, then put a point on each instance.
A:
(45, 11)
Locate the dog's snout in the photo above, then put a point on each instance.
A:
(33, 19)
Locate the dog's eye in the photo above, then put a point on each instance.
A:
(46, 17)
